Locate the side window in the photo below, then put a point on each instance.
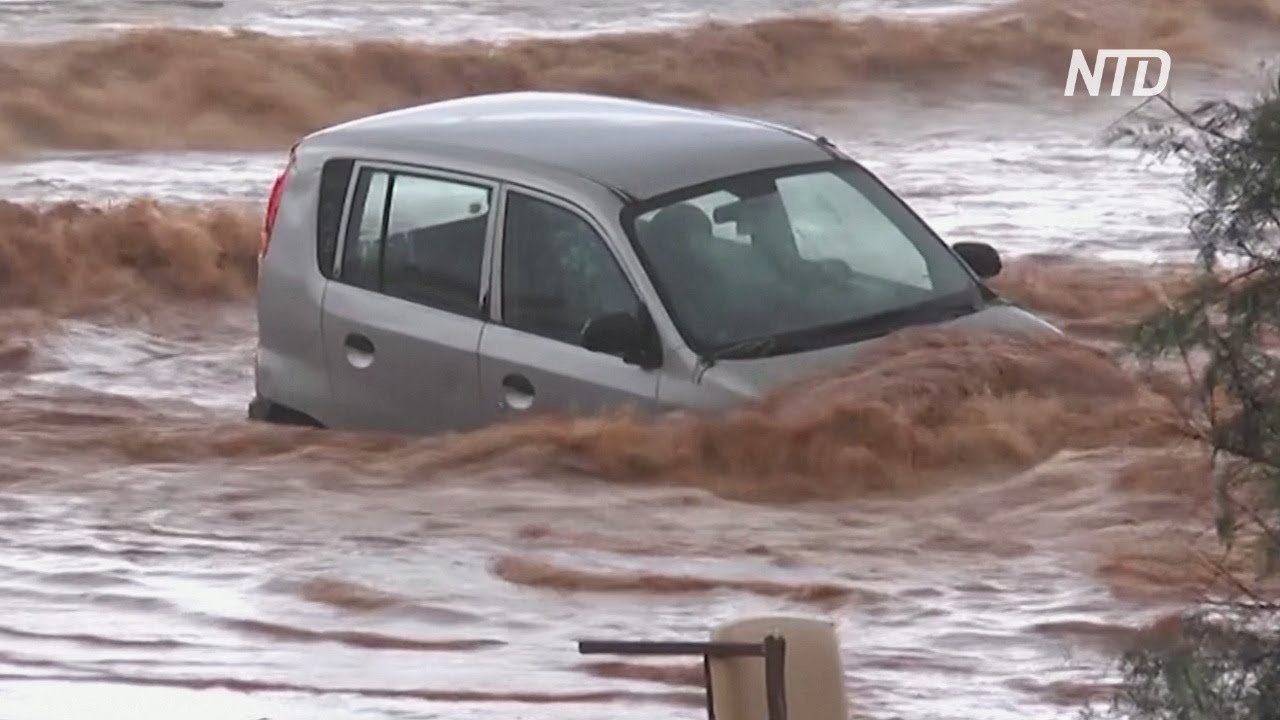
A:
(418, 238)
(360, 253)
(334, 179)
(557, 273)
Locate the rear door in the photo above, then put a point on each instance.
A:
(402, 318)
(554, 271)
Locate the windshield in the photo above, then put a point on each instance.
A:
(793, 251)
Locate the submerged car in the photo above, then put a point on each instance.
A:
(446, 266)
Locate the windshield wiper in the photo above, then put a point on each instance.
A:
(930, 311)
(754, 348)
(926, 312)
(873, 326)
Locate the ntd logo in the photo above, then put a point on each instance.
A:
(1093, 77)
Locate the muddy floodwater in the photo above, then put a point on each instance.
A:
(987, 520)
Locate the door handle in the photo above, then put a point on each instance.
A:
(517, 392)
(359, 350)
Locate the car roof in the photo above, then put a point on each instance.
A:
(637, 148)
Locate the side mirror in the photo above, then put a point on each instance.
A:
(981, 257)
(622, 334)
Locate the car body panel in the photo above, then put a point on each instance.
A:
(290, 368)
(395, 364)
(565, 380)
(422, 375)
(638, 148)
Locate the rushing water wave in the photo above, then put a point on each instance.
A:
(363, 549)
(987, 519)
(169, 88)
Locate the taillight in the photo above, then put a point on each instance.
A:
(273, 202)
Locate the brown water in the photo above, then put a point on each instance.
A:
(169, 88)
(988, 512)
(987, 519)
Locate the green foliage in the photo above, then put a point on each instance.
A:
(1225, 667)
(1228, 325)
(1226, 332)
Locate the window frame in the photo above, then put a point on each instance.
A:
(494, 187)
(499, 253)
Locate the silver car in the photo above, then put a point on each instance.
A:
(447, 266)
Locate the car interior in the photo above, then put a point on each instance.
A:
(437, 265)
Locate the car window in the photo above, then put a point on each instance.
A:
(557, 272)
(418, 238)
(334, 180)
(360, 258)
(824, 209)
(727, 230)
(829, 246)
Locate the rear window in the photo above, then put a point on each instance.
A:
(334, 179)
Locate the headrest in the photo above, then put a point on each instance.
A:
(680, 219)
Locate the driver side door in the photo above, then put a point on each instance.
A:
(554, 273)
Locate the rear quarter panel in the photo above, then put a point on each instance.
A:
(291, 367)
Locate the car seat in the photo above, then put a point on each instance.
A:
(678, 244)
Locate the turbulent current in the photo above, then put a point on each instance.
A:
(987, 520)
